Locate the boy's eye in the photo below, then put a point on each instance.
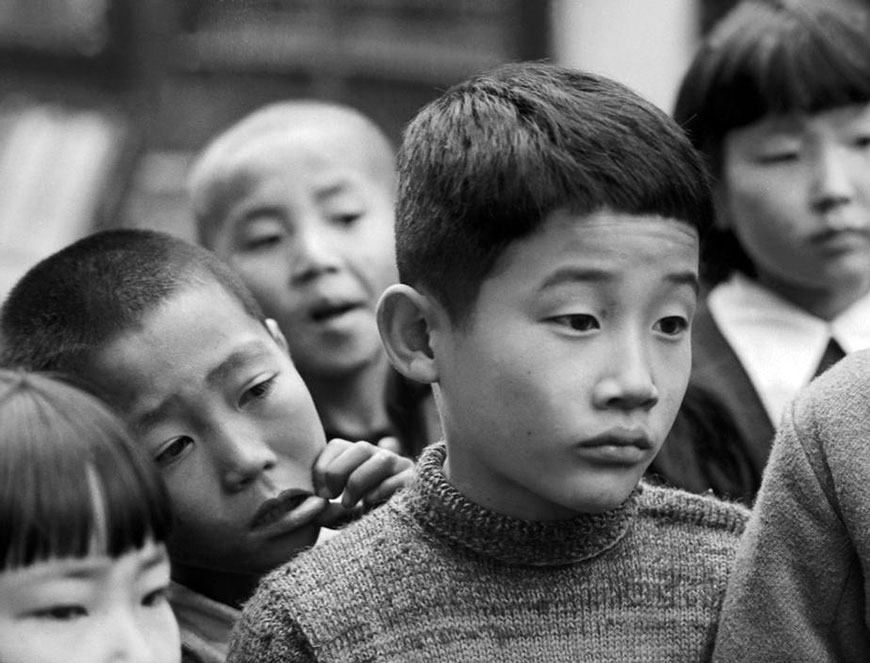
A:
(346, 219)
(261, 232)
(862, 142)
(582, 322)
(257, 391)
(262, 241)
(673, 325)
(155, 598)
(173, 450)
(61, 613)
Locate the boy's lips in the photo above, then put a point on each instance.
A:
(324, 311)
(617, 447)
(286, 504)
(619, 438)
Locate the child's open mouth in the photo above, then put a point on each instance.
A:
(326, 312)
(286, 506)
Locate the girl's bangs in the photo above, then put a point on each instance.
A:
(71, 481)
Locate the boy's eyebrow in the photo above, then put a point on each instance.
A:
(260, 211)
(144, 422)
(243, 355)
(331, 189)
(573, 274)
(246, 353)
(685, 278)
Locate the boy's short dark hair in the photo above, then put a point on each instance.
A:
(769, 57)
(485, 164)
(73, 303)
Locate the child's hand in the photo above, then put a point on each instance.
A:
(359, 472)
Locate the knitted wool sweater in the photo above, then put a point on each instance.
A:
(800, 586)
(432, 576)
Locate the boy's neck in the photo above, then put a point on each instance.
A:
(231, 589)
(353, 403)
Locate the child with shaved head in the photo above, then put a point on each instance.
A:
(298, 197)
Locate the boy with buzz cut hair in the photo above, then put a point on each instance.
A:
(166, 334)
(547, 243)
(299, 198)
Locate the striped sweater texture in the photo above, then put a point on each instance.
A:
(431, 576)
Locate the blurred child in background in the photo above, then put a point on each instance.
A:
(84, 518)
(778, 98)
(299, 198)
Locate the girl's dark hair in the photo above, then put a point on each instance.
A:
(72, 480)
(769, 57)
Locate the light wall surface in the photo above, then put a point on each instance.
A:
(646, 44)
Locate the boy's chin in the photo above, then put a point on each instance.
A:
(605, 497)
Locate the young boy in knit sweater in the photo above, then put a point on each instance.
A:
(166, 333)
(547, 242)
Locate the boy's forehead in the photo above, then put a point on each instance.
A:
(347, 146)
(575, 222)
(593, 238)
(184, 339)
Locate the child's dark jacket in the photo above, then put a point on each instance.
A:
(722, 436)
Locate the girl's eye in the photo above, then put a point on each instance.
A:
(257, 391)
(173, 450)
(672, 325)
(62, 613)
(581, 322)
(785, 156)
(862, 142)
(155, 598)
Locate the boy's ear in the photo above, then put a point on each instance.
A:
(405, 321)
(275, 332)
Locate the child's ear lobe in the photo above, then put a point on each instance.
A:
(405, 318)
(275, 332)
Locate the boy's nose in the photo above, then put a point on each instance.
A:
(312, 254)
(242, 457)
(832, 185)
(628, 385)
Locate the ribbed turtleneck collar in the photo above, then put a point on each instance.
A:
(445, 512)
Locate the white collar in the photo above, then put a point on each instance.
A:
(779, 344)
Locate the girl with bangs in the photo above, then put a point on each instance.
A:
(778, 100)
(83, 520)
